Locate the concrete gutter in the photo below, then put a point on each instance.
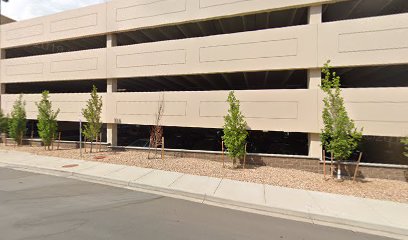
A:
(363, 215)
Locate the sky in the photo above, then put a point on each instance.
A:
(26, 9)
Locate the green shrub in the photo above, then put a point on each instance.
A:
(3, 122)
(47, 124)
(92, 114)
(339, 135)
(17, 122)
(235, 132)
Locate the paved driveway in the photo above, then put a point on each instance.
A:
(35, 206)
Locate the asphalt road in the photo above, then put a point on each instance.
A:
(35, 206)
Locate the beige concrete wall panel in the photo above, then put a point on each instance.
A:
(153, 58)
(84, 64)
(150, 108)
(250, 50)
(141, 10)
(25, 69)
(270, 110)
(379, 111)
(367, 41)
(76, 23)
(255, 109)
(133, 14)
(70, 105)
(89, 64)
(273, 49)
(24, 32)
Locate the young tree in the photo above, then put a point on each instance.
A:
(92, 114)
(47, 124)
(17, 122)
(156, 131)
(235, 133)
(339, 135)
(3, 122)
(405, 142)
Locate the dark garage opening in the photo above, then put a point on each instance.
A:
(74, 86)
(386, 150)
(373, 76)
(69, 130)
(344, 10)
(208, 139)
(290, 79)
(226, 25)
(71, 45)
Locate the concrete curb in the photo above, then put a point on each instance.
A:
(320, 219)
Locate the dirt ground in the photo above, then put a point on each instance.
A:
(368, 188)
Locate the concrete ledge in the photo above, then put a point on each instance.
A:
(381, 165)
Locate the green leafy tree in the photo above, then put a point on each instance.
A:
(17, 122)
(47, 124)
(235, 133)
(405, 142)
(3, 122)
(92, 114)
(339, 135)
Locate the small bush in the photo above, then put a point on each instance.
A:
(3, 122)
(235, 133)
(47, 124)
(17, 123)
(339, 135)
(92, 114)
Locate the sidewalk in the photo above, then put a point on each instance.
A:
(364, 215)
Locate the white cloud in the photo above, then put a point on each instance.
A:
(26, 9)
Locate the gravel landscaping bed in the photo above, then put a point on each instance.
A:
(367, 188)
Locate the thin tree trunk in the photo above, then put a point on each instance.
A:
(59, 140)
(52, 142)
(236, 162)
(85, 144)
(100, 142)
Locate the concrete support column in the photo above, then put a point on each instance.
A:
(315, 145)
(111, 87)
(111, 128)
(111, 40)
(315, 14)
(313, 82)
(112, 134)
(314, 78)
